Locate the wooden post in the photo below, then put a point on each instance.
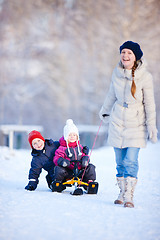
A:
(11, 140)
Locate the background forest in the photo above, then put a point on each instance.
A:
(57, 56)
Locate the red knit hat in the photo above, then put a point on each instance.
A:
(34, 134)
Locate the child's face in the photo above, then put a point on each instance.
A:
(72, 137)
(38, 144)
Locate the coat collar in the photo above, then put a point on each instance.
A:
(48, 142)
(127, 74)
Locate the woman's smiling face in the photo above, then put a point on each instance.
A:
(127, 58)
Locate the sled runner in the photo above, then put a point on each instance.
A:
(91, 187)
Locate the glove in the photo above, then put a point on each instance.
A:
(85, 150)
(85, 161)
(63, 162)
(32, 185)
(104, 116)
(152, 133)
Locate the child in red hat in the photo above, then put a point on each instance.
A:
(43, 151)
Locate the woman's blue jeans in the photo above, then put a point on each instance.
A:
(127, 161)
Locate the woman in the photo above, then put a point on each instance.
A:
(129, 108)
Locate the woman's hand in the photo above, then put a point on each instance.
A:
(152, 133)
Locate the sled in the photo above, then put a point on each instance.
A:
(91, 188)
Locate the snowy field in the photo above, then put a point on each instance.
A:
(43, 215)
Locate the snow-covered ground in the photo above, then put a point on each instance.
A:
(43, 215)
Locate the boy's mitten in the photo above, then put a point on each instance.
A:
(152, 132)
(63, 162)
(85, 150)
(32, 185)
(85, 161)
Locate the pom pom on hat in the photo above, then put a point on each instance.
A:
(69, 122)
(135, 47)
(34, 134)
(70, 127)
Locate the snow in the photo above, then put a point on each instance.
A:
(43, 215)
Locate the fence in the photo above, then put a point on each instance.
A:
(9, 131)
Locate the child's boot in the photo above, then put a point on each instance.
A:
(49, 180)
(92, 187)
(130, 184)
(121, 185)
(57, 186)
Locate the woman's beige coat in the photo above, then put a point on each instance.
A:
(129, 117)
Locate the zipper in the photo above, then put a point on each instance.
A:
(124, 109)
(76, 158)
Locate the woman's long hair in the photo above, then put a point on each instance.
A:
(133, 87)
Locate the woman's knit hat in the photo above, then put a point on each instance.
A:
(34, 134)
(135, 47)
(70, 127)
